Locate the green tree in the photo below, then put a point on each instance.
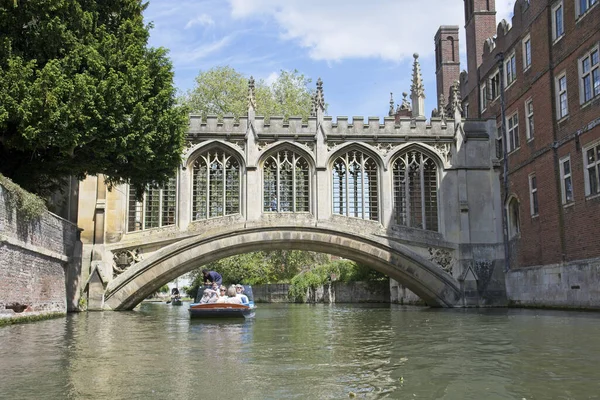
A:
(224, 91)
(82, 93)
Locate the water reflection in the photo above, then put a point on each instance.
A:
(305, 351)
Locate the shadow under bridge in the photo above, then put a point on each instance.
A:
(395, 260)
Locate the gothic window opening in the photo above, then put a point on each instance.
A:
(355, 191)
(158, 207)
(286, 183)
(416, 191)
(514, 223)
(215, 185)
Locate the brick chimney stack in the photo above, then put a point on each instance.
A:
(447, 58)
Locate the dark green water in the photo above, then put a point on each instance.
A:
(305, 352)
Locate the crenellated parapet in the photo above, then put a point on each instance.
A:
(357, 126)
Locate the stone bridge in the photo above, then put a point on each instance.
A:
(415, 199)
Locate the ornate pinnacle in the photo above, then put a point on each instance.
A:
(417, 88)
(405, 104)
(456, 100)
(319, 98)
(251, 98)
(391, 113)
(442, 106)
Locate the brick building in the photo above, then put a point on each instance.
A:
(546, 68)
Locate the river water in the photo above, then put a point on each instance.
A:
(297, 351)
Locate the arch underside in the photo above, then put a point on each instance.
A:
(418, 274)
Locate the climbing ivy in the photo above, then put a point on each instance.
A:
(28, 205)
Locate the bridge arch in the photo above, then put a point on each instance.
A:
(395, 260)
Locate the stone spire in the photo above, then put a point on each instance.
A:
(455, 102)
(251, 98)
(417, 90)
(442, 106)
(391, 113)
(319, 103)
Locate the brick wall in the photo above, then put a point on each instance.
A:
(35, 262)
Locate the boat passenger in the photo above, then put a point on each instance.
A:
(240, 294)
(222, 295)
(211, 277)
(232, 296)
(209, 296)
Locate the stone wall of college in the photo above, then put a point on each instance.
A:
(568, 285)
(40, 262)
(337, 292)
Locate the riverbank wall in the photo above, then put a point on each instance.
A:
(335, 292)
(40, 261)
(573, 285)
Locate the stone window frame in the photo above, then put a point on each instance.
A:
(514, 216)
(592, 180)
(429, 223)
(589, 4)
(276, 202)
(529, 120)
(494, 83)
(534, 205)
(527, 52)
(483, 97)
(593, 72)
(368, 210)
(561, 95)
(557, 33)
(510, 69)
(138, 214)
(566, 180)
(512, 133)
(227, 154)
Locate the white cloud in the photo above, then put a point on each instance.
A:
(185, 56)
(342, 29)
(202, 19)
(269, 80)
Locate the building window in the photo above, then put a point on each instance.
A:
(215, 185)
(529, 115)
(527, 52)
(415, 191)
(157, 208)
(589, 76)
(466, 109)
(562, 105)
(495, 85)
(558, 29)
(512, 125)
(533, 195)
(584, 5)
(514, 224)
(510, 66)
(286, 183)
(355, 191)
(592, 170)
(484, 97)
(566, 180)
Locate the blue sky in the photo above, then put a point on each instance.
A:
(361, 50)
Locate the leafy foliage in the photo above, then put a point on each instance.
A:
(341, 270)
(28, 205)
(81, 93)
(260, 267)
(224, 91)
